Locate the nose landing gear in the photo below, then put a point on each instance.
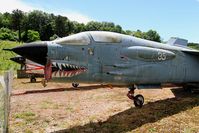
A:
(138, 99)
(75, 85)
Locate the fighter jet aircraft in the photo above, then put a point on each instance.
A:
(114, 59)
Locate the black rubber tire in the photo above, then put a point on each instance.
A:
(138, 101)
(33, 80)
(75, 85)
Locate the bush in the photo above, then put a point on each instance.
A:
(33, 36)
(7, 34)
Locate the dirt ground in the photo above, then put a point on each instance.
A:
(61, 108)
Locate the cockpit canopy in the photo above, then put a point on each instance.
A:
(76, 39)
(106, 37)
(84, 38)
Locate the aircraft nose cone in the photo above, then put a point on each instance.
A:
(18, 59)
(36, 52)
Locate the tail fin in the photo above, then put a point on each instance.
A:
(177, 41)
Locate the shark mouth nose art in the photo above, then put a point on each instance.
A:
(66, 70)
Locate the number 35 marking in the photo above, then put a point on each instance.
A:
(162, 56)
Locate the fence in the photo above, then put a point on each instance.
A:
(5, 91)
(1, 108)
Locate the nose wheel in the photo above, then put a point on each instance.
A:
(138, 99)
(75, 85)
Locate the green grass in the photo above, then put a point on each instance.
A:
(49, 105)
(27, 116)
(5, 63)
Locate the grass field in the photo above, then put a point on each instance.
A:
(59, 108)
(5, 63)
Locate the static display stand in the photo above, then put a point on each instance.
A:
(6, 83)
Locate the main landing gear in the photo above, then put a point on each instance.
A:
(32, 79)
(138, 99)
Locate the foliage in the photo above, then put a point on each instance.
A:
(7, 34)
(149, 35)
(152, 35)
(48, 25)
(6, 20)
(5, 62)
(33, 36)
(138, 34)
(62, 26)
(103, 26)
(194, 45)
(17, 18)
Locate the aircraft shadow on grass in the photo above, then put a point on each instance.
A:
(133, 118)
(47, 90)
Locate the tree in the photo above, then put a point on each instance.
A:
(194, 45)
(48, 25)
(138, 34)
(41, 22)
(93, 26)
(1, 19)
(149, 35)
(17, 18)
(77, 27)
(46, 32)
(128, 32)
(118, 29)
(152, 35)
(6, 20)
(35, 20)
(62, 26)
(7, 34)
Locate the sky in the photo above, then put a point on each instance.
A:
(170, 18)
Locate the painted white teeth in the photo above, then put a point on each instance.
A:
(66, 70)
(54, 63)
(59, 65)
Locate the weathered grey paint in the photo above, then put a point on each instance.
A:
(130, 61)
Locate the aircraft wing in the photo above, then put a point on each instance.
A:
(190, 51)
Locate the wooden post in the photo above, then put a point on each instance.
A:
(6, 82)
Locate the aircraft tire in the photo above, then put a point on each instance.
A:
(138, 101)
(33, 80)
(75, 85)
